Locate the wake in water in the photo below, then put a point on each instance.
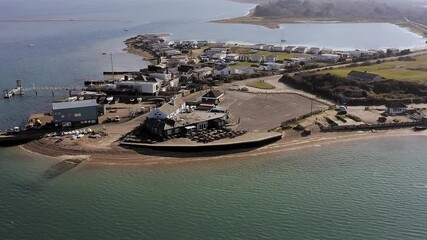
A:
(420, 186)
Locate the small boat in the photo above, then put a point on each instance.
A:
(419, 128)
(31, 45)
(283, 40)
(110, 99)
(126, 30)
(8, 94)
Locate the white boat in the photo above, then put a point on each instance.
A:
(8, 95)
(283, 37)
(72, 99)
(110, 99)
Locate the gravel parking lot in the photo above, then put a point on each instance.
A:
(262, 112)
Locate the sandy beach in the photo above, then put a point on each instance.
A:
(116, 155)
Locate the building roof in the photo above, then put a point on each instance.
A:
(363, 75)
(76, 104)
(169, 108)
(396, 105)
(204, 69)
(185, 119)
(213, 94)
(221, 67)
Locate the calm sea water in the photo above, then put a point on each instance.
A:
(361, 190)
(368, 190)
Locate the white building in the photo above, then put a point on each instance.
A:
(328, 58)
(396, 108)
(258, 46)
(301, 49)
(267, 47)
(244, 58)
(232, 57)
(167, 111)
(290, 49)
(326, 51)
(278, 48)
(271, 58)
(219, 56)
(272, 66)
(227, 71)
(314, 50)
(179, 59)
(144, 87)
(243, 70)
(162, 76)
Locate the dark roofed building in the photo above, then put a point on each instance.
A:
(396, 108)
(364, 77)
(212, 97)
(67, 114)
(185, 122)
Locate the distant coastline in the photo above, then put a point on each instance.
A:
(275, 22)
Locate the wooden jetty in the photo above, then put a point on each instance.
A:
(19, 90)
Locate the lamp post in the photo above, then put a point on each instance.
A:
(112, 65)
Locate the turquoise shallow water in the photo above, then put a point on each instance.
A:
(359, 190)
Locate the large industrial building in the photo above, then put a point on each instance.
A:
(68, 114)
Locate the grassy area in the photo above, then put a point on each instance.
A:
(280, 55)
(261, 85)
(246, 64)
(397, 70)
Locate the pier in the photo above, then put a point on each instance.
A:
(20, 90)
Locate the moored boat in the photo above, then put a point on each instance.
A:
(419, 128)
(8, 94)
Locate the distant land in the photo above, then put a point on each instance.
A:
(273, 13)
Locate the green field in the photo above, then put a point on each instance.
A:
(246, 64)
(281, 56)
(261, 85)
(397, 70)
